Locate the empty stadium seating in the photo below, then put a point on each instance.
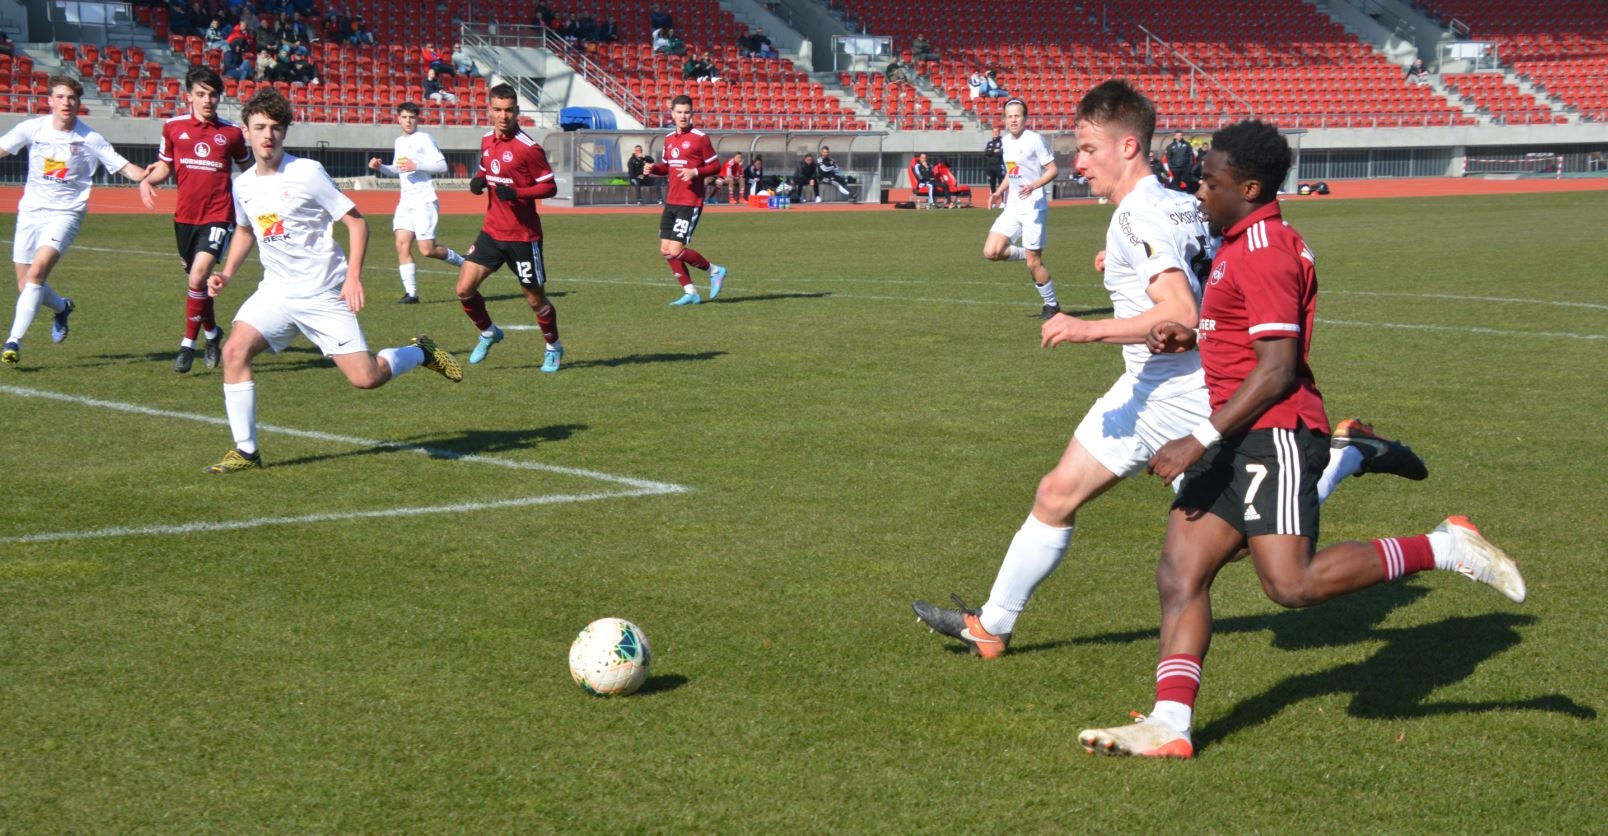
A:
(1561, 45)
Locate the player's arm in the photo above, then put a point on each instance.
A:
(376, 164)
(157, 173)
(356, 247)
(431, 161)
(239, 247)
(133, 173)
(544, 184)
(1174, 301)
(1277, 360)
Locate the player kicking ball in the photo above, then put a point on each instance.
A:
(289, 205)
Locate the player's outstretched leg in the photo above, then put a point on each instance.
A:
(1379, 454)
(1476, 558)
(963, 624)
(717, 279)
(487, 340)
(439, 360)
(1146, 737)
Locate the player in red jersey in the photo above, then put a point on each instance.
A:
(202, 151)
(731, 176)
(688, 158)
(513, 175)
(1250, 471)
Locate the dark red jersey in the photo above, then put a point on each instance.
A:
(683, 150)
(519, 162)
(1263, 285)
(203, 156)
(733, 169)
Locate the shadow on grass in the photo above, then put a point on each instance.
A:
(505, 297)
(643, 359)
(1394, 683)
(465, 443)
(661, 683)
(1088, 311)
(767, 297)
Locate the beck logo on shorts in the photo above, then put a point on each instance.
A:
(55, 169)
(270, 227)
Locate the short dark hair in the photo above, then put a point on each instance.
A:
(503, 91)
(1257, 151)
(681, 99)
(66, 81)
(205, 75)
(269, 102)
(408, 107)
(1116, 102)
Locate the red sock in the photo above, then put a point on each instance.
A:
(1404, 555)
(679, 269)
(194, 309)
(1178, 679)
(547, 320)
(475, 307)
(209, 316)
(693, 259)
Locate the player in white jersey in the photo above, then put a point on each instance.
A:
(63, 154)
(417, 161)
(1029, 168)
(289, 205)
(1156, 255)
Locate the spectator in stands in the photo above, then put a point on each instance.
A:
(763, 48)
(179, 22)
(977, 85)
(6, 46)
(731, 177)
(302, 70)
(1418, 73)
(216, 37)
(994, 89)
(694, 68)
(1180, 158)
(669, 43)
(637, 170)
(434, 60)
(461, 63)
(235, 65)
(921, 51)
(433, 89)
(897, 73)
(808, 177)
(924, 181)
(754, 174)
(659, 19)
(609, 32)
(267, 65)
(827, 171)
(357, 32)
(745, 41)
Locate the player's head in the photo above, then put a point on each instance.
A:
(407, 117)
(203, 87)
(1015, 116)
(1242, 172)
(825, 151)
(1115, 123)
(66, 94)
(636, 150)
(267, 116)
(1121, 109)
(681, 112)
(502, 103)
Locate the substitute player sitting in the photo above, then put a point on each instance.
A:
(289, 205)
(417, 161)
(513, 175)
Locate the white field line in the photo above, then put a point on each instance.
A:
(632, 487)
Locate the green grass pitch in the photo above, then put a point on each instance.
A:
(371, 634)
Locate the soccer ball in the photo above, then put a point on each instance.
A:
(610, 658)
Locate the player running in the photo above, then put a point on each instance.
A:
(202, 150)
(63, 154)
(513, 175)
(688, 158)
(417, 161)
(1154, 262)
(1250, 467)
(290, 206)
(1029, 168)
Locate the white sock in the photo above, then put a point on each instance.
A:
(27, 305)
(1046, 292)
(1175, 714)
(453, 258)
(1034, 553)
(410, 281)
(401, 360)
(213, 334)
(186, 343)
(555, 346)
(52, 299)
(240, 401)
(1343, 462)
(1440, 542)
(1016, 254)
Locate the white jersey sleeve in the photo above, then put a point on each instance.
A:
(20, 135)
(103, 151)
(1154, 230)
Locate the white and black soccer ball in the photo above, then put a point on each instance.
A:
(610, 658)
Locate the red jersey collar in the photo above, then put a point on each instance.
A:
(1271, 210)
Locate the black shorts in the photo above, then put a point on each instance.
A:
(676, 223)
(194, 239)
(523, 257)
(1262, 482)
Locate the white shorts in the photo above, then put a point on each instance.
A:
(1128, 424)
(1026, 224)
(420, 218)
(44, 229)
(323, 319)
